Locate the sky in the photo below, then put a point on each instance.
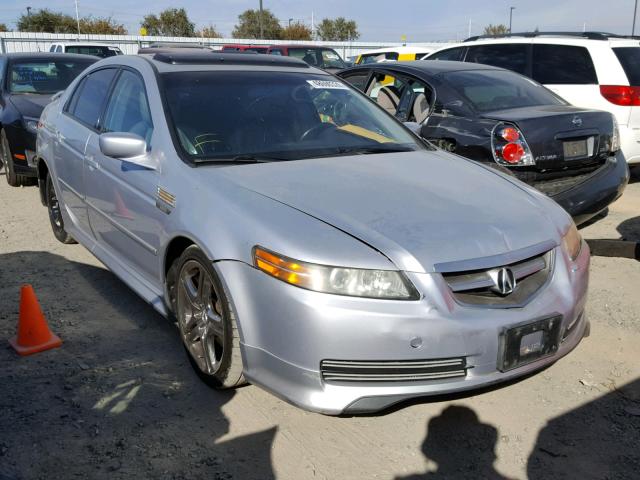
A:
(378, 20)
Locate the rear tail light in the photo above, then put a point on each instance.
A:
(615, 137)
(509, 146)
(622, 95)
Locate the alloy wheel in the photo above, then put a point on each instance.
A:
(200, 317)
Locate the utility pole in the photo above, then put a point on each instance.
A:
(260, 21)
(77, 19)
(511, 9)
(635, 9)
(290, 20)
(469, 32)
(28, 11)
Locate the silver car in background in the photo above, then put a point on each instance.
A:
(304, 239)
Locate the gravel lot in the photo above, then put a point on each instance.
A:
(119, 399)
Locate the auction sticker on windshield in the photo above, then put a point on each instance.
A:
(327, 84)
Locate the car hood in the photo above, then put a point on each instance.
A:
(30, 104)
(420, 209)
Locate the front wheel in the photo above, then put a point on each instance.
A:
(55, 214)
(206, 320)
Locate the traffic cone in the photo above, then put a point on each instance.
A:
(33, 332)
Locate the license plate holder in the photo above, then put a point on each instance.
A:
(528, 342)
(575, 149)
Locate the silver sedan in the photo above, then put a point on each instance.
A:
(304, 240)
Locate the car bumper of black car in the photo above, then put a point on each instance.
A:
(596, 192)
(23, 150)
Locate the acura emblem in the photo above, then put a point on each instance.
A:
(504, 281)
(577, 122)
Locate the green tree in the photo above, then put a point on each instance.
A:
(249, 25)
(101, 26)
(3, 27)
(496, 29)
(172, 22)
(296, 31)
(209, 32)
(46, 20)
(338, 29)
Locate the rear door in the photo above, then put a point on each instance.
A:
(78, 121)
(122, 196)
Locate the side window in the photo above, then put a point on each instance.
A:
(358, 80)
(59, 49)
(128, 108)
(509, 56)
(452, 54)
(276, 52)
(52, 48)
(386, 90)
(88, 99)
(563, 64)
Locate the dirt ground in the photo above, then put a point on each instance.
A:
(119, 399)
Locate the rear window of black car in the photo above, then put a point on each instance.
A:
(563, 65)
(490, 90)
(509, 56)
(630, 60)
(44, 76)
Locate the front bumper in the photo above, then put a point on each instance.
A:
(597, 192)
(286, 332)
(22, 143)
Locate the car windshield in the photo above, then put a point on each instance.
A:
(488, 90)
(318, 57)
(44, 76)
(265, 116)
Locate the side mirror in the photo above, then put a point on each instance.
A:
(126, 146)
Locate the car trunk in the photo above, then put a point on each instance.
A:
(568, 143)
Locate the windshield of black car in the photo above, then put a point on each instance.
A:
(276, 115)
(44, 76)
(318, 57)
(489, 90)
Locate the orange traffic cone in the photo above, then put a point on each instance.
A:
(33, 332)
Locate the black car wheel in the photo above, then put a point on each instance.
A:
(55, 214)
(13, 179)
(206, 320)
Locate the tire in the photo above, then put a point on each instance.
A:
(13, 179)
(206, 320)
(55, 215)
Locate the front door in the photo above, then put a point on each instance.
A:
(122, 196)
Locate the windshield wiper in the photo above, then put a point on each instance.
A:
(373, 150)
(245, 158)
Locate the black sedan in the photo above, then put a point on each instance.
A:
(508, 122)
(29, 80)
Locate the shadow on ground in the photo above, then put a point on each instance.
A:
(115, 402)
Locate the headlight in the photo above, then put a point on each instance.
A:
(572, 242)
(31, 124)
(385, 284)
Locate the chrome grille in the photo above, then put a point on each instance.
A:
(476, 287)
(392, 371)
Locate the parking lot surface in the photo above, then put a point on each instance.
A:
(119, 399)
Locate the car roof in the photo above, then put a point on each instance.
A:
(47, 56)
(560, 38)
(298, 45)
(429, 67)
(403, 49)
(175, 60)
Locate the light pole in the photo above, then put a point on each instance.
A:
(290, 20)
(77, 19)
(260, 22)
(28, 11)
(635, 9)
(511, 9)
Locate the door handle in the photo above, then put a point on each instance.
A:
(91, 163)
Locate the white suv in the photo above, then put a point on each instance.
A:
(101, 50)
(588, 69)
